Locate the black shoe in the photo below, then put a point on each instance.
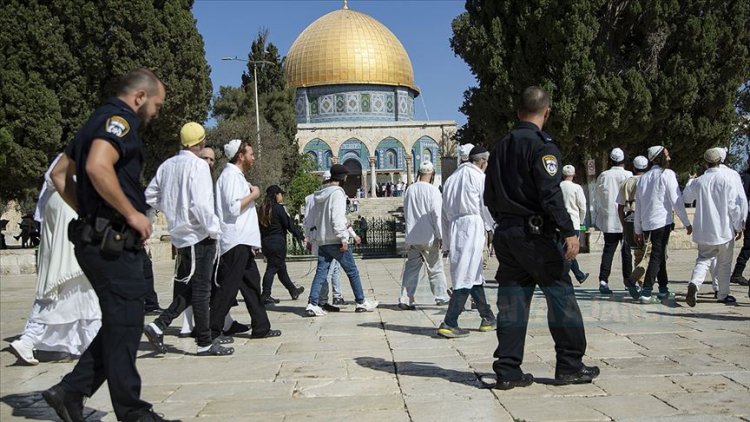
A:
(268, 300)
(151, 416)
(57, 357)
(69, 407)
(742, 281)
(186, 335)
(406, 307)
(525, 381)
(269, 333)
(296, 292)
(330, 308)
(339, 301)
(236, 328)
(729, 300)
(156, 340)
(583, 376)
(584, 278)
(692, 295)
(224, 339)
(216, 349)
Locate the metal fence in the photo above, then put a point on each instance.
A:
(378, 240)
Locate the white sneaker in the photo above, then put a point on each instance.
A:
(366, 306)
(23, 352)
(314, 310)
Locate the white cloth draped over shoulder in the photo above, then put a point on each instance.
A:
(465, 222)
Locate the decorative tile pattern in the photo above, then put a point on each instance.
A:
(352, 103)
(364, 102)
(340, 103)
(313, 106)
(326, 104)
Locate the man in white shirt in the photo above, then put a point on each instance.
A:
(626, 210)
(657, 195)
(607, 187)
(575, 204)
(332, 237)
(235, 207)
(465, 222)
(182, 190)
(422, 211)
(718, 223)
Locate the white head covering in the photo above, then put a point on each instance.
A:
(426, 168)
(464, 151)
(617, 155)
(712, 155)
(723, 154)
(231, 148)
(640, 162)
(654, 152)
(569, 170)
(327, 175)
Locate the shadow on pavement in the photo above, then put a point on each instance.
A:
(408, 329)
(715, 317)
(297, 310)
(420, 369)
(32, 406)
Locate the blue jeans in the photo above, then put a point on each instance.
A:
(334, 279)
(327, 253)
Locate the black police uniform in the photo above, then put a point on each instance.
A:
(523, 194)
(273, 242)
(117, 278)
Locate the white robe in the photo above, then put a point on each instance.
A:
(607, 187)
(465, 222)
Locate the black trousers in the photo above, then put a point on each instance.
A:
(744, 254)
(152, 300)
(527, 261)
(611, 240)
(121, 287)
(238, 271)
(657, 264)
(196, 290)
(274, 249)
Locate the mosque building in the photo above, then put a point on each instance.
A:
(354, 101)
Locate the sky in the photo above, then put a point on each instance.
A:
(423, 27)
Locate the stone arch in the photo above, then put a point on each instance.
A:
(320, 152)
(353, 148)
(426, 148)
(391, 154)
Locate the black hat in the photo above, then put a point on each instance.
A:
(274, 189)
(338, 172)
(477, 150)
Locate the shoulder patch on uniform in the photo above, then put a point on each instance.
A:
(550, 164)
(117, 126)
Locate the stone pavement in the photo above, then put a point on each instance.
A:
(658, 362)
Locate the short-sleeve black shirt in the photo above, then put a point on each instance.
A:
(118, 124)
(524, 175)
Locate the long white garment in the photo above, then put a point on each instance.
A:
(607, 187)
(718, 216)
(423, 208)
(182, 189)
(238, 226)
(464, 225)
(575, 201)
(656, 196)
(722, 254)
(65, 316)
(737, 181)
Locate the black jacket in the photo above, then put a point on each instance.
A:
(280, 224)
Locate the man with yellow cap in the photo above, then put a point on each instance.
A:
(183, 191)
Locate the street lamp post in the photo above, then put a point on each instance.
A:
(255, 82)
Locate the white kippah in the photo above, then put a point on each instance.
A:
(231, 148)
(654, 152)
(569, 170)
(426, 168)
(640, 162)
(464, 151)
(617, 155)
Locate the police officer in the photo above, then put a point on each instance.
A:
(106, 156)
(523, 193)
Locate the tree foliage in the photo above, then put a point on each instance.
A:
(61, 59)
(620, 73)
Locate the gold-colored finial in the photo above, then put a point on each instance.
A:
(346, 4)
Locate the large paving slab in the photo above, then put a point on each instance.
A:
(664, 362)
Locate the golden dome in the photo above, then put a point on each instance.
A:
(348, 47)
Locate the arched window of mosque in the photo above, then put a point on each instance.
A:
(313, 156)
(327, 159)
(427, 155)
(390, 158)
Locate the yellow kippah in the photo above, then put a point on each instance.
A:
(192, 134)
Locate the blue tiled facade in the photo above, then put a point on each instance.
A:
(349, 103)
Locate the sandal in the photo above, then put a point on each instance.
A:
(223, 339)
(217, 349)
(270, 333)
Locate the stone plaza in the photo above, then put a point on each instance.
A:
(658, 362)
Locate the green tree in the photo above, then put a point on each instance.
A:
(56, 73)
(629, 74)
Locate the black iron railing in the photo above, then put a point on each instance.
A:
(378, 239)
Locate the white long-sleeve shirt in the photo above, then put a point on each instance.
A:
(575, 202)
(239, 227)
(717, 214)
(182, 189)
(607, 187)
(656, 196)
(737, 181)
(423, 205)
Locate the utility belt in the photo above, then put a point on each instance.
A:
(106, 229)
(532, 224)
